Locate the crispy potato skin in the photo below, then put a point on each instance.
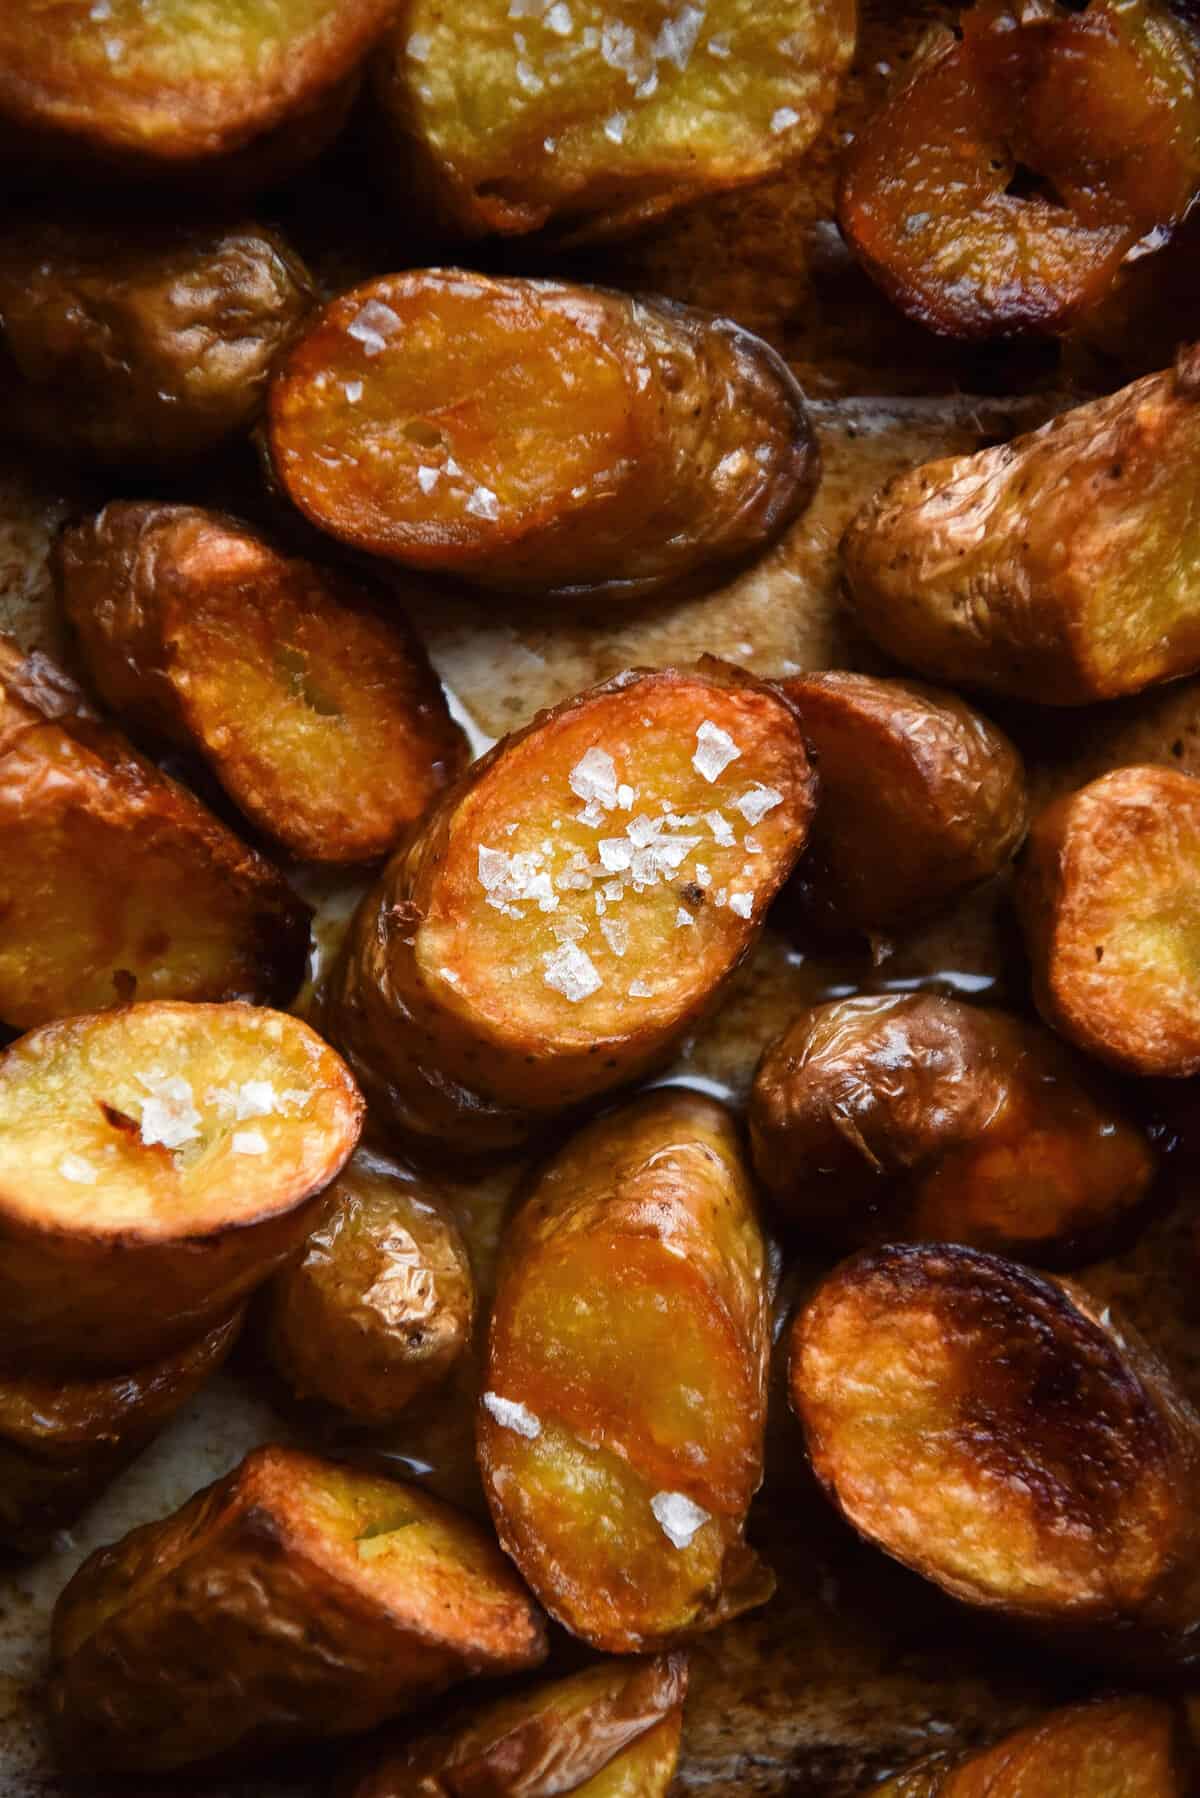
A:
(1106, 899)
(635, 1265)
(455, 1060)
(251, 1619)
(996, 1431)
(378, 1308)
(919, 1118)
(557, 439)
(320, 716)
(1060, 567)
(922, 798)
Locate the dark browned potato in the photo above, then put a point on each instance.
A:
(917, 1118)
(922, 798)
(572, 906)
(378, 1308)
(998, 1432)
(320, 716)
(1061, 567)
(156, 1164)
(293, 1599)
(115, 882)
(1109, 897)
(539, 437)
(621, 1424)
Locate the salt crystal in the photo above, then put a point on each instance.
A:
(569, 971)
(78, 1170)
(619, 48)
(615, 934)
(568, 930)
(353, 391)
(594, 777)
(721, 828)
(639, 990)
(256, 1099)
(614, 128)
(646, 89)
(428, 478)
(169, 1115)
(718, 46)
(703, 876)
(643, 830)
(616, 853)
(510, 1414)
(559, 19)
(742, 904)
(721, 896)
(715, 749)
(373, 324)
(249, 1142)
(295, 1098)
(677, 38)
(683, 917)
(528, 78)
(784, 118)
(625, 798)
(484, 504)
(751, 845)
(757, 801)
(419, 46)
(673, 851)
(452, 467)
(678, 1517)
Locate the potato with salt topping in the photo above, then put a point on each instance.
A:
(538, 437)
(572, 906)
(319, 714)
(620, 1430)
(156, 1164)
(294, 1599)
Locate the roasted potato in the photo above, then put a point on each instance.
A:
(572, 906)
(1109, 897)
(998, 1432)
(115, 882)
(916, 1118)
(621, 1423)
(293, 1599)
(321, 718)
(593, 121)
(1061, 567)
(156, 1164)
(611, 1731)
(922, 798)
(378, 1308)
(162, 342)
(539, 437)
(63, 1440)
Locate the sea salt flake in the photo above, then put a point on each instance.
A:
(594, 778)
(646, 89)
(614, 128)
(484, 504)
(683, 917)
(742, 904)
(757, 801)
(784, 118)
(256, 1099)
(568, 930)
(249, 1142)
(78, 1170)
(625, 798)
(528, 78)
(677, 38)
(616, 854)
(642, 830)
(721, 828)
(419, 46)
(718, 46)
(570, 971)
(751, 845)
(372, 325)
(353, 391)
(721, 896)
(703, 875)
(169, 1115)
(639, 990)
(678, 1517)
(295, 1098)
(615, 934)
(510, 1414)
(428, 478)
(559, 19)
(613, 891)
(715, 749)
(672, 852)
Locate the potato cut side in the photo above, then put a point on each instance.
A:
(539, 437)
(1113, 1748)
(156, 1163)
(294, 1599)
(320, 716)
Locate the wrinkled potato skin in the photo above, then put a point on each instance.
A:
(164, 344)
(1009, 569)
(919, 1118)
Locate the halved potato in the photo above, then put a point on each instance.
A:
(156, 1164)
(319, 714)
(539, 437)
(295, 1598)
(572, 905)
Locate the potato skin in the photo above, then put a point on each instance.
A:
(1057, 568)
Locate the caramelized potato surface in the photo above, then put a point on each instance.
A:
(156, 1164)
(919, 1118)
(539, 437)
(621, 1425)
(320, 716)
(1061, 567)
(572, 906)
(293, 1599)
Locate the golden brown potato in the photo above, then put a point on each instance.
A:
(293, 1599)
(593, 120)
(996, 1431)
(1109, 897)
(63, 1440)
(145, 351)
(539, 437)
(320, 716)
(572, 906)
(922, 798)
(115, 882)
(378, 1308)
(156, 1164)
(917, 1118)
(620, 1428)
(1061, 567)
(611, 1731)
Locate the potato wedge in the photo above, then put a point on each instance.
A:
(156, 1164)
(922, 798)
(115, 882)
(611, 1731)
(1061, 567)
(572, 906)
(996, 1431)
(321, 717)
(294, 1599)
(1110, 904)
(620, 1430)
(539, 437)
(916, 1118)
(63, 1440)
(163, 342)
